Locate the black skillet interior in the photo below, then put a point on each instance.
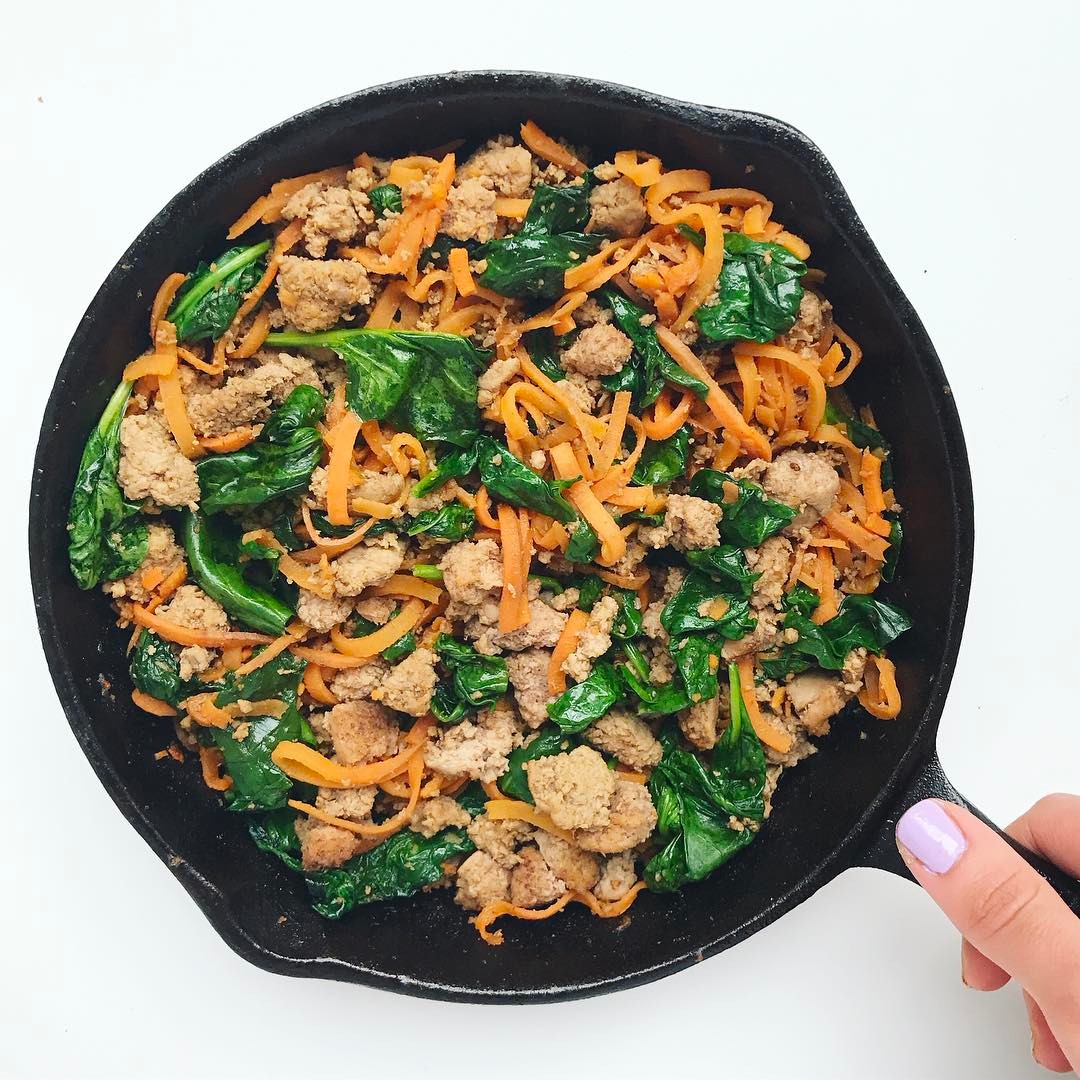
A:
(826, 810)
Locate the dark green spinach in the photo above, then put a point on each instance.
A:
(550, 739)
(543, 353)
(385, 197)
(207, 302)
(450, 522)
(575, 709)
(512, 481)
(279, 462)
(584, 544)
(759, 292)
(664, 460)
(751, 518)
(682, 614)
(107, 537)
(224, 582)
(476, 680)
(725, 564)
(423, 383)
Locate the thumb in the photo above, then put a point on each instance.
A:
(998, 902)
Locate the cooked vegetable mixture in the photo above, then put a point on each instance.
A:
(495, 522)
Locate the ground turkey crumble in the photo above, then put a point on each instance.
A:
(151, 465)
(595, 639)
(163, 554)
(476, 748)
(598, 350)
(317, 294)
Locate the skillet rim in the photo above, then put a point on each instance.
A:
(711, 120)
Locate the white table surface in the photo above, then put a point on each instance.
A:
(955, 136)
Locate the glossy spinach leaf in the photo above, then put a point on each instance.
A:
(250, 605)
(385, 197)
(590, 589)
(549, 584)
(560, 209)
(759, 292)
(738, 760)
(751, 518)
(107, 537)
(258, 784)
(575, 709)
(476, 680)
(697, 658)
(208, 300)
(531, 265)
(628, 620)
(532, 262)
(862, 621)
(725, 564)
(892, 554)
(423, 383)
(695, 805)
(584, 544)
(398, 867)
(278, 680)
(404, 646)
(155, 669)
(683, 612)
(649, 366)
(665, 460)
(450, 522)
(279, 462)
(543, 353)
(802, 599)
(512, 481)
(455, 465)
(275, 833)
(652, 700)
(550, 739)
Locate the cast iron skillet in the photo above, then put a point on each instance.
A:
(835, 810)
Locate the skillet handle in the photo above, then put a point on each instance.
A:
(930, 782)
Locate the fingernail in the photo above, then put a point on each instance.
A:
(931, 836)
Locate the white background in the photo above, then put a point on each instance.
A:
(955, 136)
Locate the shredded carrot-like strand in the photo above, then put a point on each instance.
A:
(338, 471)
(770, 735)
(184, 635)
(572, 630)
(514, 604)
(211, 761)
(152, 705)
(880, 695)
(544, 146)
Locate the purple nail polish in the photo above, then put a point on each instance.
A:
(931, 836)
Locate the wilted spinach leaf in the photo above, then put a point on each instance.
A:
(477, 680)
(398, 867)
(575, 709)
(278, 680)
(725, 564)
(512, 481)
(514, 783)
(861, 622)
(279, 462)
(532, 262)
(275, 833)
(653, 700)
(450, 522)
(664, 460)
(541, 346)
(107, 537)
(650, 366)
(584, 543)
(751, 518)
(682, 614)
(759, 292)
(385, 197)
(225, 582)
(258, 784)
(695, 805)
(802, 599)
(208, 300)
(892, 555)
(155, 669)
(590, 589)
(627, 623)
(455, 465)
(863, 436)
(697, 657)
(423, 383)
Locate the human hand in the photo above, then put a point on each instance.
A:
(1014, 924)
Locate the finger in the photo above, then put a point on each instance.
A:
(1002, 906)
(1052, 829)
(978, 971)
(1045, 1048)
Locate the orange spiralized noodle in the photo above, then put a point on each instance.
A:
(880, 696)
